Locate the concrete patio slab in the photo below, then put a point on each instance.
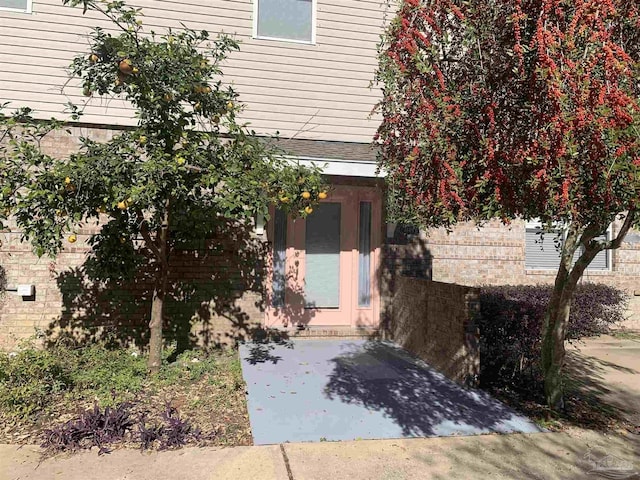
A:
(608, 368)
(326, 390)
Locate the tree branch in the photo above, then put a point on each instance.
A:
(144, 231)
(626, 226)
(593, 247)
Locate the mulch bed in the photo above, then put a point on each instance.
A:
(215, 404)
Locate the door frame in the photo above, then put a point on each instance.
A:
(293, 311)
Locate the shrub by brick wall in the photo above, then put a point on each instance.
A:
(217, 300)
(511, 323)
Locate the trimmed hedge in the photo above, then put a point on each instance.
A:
(511, 327)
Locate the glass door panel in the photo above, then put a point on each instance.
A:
(322, 257)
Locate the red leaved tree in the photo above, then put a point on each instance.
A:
(513, 109)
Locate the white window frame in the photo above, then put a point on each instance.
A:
(314, 10)
(19, 10)
(537, 224)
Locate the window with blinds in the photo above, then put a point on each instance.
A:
(542, 250)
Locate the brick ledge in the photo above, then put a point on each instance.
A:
(329, 332)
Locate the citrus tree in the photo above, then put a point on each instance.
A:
(517, 109)
(187, 162)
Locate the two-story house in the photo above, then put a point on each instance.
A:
(304, 70)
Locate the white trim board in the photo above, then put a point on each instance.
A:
(345, 168)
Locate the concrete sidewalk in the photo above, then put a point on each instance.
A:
(543, 455)
(608, 368)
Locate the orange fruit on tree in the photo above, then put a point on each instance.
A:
(93, 58)
(125, 66)
(322, 195)
(284, 199)
(308, 210)
(67, 181)
(230, 105)
(122, 205)
(306, 195)
(73, 238)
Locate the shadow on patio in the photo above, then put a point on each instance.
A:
(383, 377)
(310, 390)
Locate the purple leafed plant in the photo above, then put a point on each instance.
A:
(173, 433)
(511, 324)
(148, 435)
(93, 428)
(98, 428)
(176, 430)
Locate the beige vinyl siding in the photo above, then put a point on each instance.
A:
(316, 91)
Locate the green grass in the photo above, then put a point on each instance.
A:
(31, 379)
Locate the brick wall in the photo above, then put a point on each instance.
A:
(216, 300)
(436, 322)
(495, 255)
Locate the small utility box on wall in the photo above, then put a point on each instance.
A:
(26, 290)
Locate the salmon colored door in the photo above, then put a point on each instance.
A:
(323, 269)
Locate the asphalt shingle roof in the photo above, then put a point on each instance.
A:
(363, 152)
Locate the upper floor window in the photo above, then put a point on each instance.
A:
(292, 20)
(542, 250)
(16, 5)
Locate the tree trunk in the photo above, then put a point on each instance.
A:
(556, 319)
(159, 295)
